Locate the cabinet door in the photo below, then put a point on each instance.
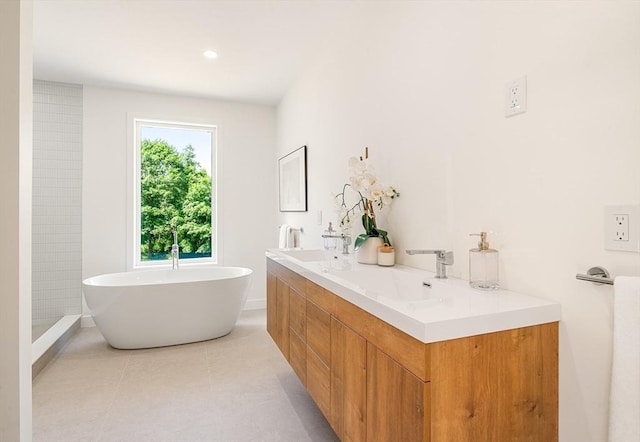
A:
(272, 306)
(505, 386)
(397, 401)
(282, 317)
(348, 383)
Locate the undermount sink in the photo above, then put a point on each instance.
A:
(306, 255)
(390, 283)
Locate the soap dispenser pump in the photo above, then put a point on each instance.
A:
(483, 265)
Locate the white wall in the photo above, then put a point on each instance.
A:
(16, 90)
(247, 213)
(423, 85)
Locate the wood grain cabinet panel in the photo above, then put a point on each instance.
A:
(320, 297)
(298, 313)
(319, 382)
(297, 333)
(319, 356)
(319, 332)
(397, 401)
(411, 353)
(348, 383)
(282, 317)
(271, 305)
(505, 384)
(298, 356)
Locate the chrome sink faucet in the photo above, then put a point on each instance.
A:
(346, 240)
(443, 258)
(175, 252)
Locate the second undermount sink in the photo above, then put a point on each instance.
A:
(306, 255)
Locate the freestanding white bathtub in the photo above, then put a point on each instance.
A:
(156, 308)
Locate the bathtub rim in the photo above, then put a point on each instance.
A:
(126, 279)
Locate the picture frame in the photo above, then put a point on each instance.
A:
(293, 181)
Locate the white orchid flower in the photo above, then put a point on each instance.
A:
(363, 180)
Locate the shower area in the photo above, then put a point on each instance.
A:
(57, 217)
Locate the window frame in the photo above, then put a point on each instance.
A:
(134, 187)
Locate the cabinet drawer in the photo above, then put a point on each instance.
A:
(298, 356)
(297, 313)
(320, 297)
(319, 382)
(319, 332)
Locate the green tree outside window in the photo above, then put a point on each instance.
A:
(175, 193)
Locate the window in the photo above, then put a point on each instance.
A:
(174, 185)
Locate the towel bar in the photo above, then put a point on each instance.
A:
(597, 275)
(295, 229)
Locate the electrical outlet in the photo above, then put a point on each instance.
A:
(621, 220)
(516, 97)
(622, 228)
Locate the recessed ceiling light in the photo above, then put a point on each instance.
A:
(210, 54)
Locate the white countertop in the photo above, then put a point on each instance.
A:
(449, 309)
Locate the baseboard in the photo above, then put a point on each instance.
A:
(255, 304)
(87, 321)
(51, 342)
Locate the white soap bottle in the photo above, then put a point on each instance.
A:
(483, 265)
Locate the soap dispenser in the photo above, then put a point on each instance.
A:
(483, 265)
(330, 238)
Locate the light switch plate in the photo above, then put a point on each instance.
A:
(622, 228)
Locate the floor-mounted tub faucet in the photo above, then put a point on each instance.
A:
(175, 252)
(443, 258)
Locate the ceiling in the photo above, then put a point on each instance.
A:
(157, 45)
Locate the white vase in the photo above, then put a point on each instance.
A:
(367, 253)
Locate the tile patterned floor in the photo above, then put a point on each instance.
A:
(237, 388)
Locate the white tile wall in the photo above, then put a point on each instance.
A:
(57, 200)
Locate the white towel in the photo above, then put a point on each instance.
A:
(624, 401)
(284, 241)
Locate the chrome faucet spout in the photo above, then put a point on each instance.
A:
(426, 252)
(346, 240)
(443, 258)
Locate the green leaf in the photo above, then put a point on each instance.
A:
(360, 240)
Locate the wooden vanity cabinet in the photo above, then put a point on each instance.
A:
(373, 382)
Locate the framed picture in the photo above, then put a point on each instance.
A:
(293, 181)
